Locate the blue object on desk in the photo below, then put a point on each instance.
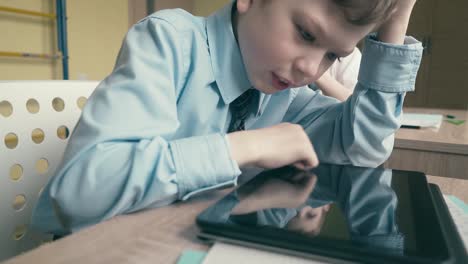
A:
(191, 257)
(459, 203)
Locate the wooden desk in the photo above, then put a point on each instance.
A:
(153, 236)
(442, 152)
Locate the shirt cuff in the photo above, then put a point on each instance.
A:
(203, 163)
(389, 67)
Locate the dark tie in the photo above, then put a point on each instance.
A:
(240, 109)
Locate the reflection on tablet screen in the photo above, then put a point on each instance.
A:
(332, 210)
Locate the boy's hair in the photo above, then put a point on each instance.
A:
(364, 12)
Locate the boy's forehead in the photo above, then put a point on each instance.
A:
(328, 20)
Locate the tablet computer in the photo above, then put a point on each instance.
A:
(343, 213)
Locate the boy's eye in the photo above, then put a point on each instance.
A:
(332, 57)
(305, 35)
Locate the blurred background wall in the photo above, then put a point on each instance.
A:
(96, 29)
(95, 32)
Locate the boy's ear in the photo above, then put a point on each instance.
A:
(243, 5)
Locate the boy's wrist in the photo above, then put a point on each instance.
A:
(394, 31)
(323, 79)
(242, 150)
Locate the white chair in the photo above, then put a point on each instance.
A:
(36, 119)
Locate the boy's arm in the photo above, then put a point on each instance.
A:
(124, 155)
(331, 87)
(361, 130)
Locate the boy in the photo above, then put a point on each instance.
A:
(169, 121)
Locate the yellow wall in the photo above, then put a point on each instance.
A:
(95, 32)
(97, 28)
(26, 34)
(206, 7)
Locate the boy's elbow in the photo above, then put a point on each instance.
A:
(77, 206)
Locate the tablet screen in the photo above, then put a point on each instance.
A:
(337, 211)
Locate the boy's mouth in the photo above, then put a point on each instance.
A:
(280, 83)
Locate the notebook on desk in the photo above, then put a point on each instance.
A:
(340, 213)
(421, 120)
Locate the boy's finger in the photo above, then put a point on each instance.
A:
(313, 159)
(311, 162)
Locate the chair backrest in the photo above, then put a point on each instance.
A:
(36, 119)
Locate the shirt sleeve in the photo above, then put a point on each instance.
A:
(360, 131)
(123, 155)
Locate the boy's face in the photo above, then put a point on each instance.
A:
(309, 220)
(291, 43)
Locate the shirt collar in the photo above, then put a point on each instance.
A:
(263, 100)
(226, 60)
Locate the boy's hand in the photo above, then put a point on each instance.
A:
(393, 30)
(273, 147)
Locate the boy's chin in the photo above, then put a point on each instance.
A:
(267, 89)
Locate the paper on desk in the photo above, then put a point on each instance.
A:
(459, 215)
(422, 120)
(233, 254)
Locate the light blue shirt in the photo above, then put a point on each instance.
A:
(154, 130)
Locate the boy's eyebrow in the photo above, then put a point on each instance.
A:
(312, 25)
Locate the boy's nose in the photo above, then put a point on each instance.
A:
(307, 68)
